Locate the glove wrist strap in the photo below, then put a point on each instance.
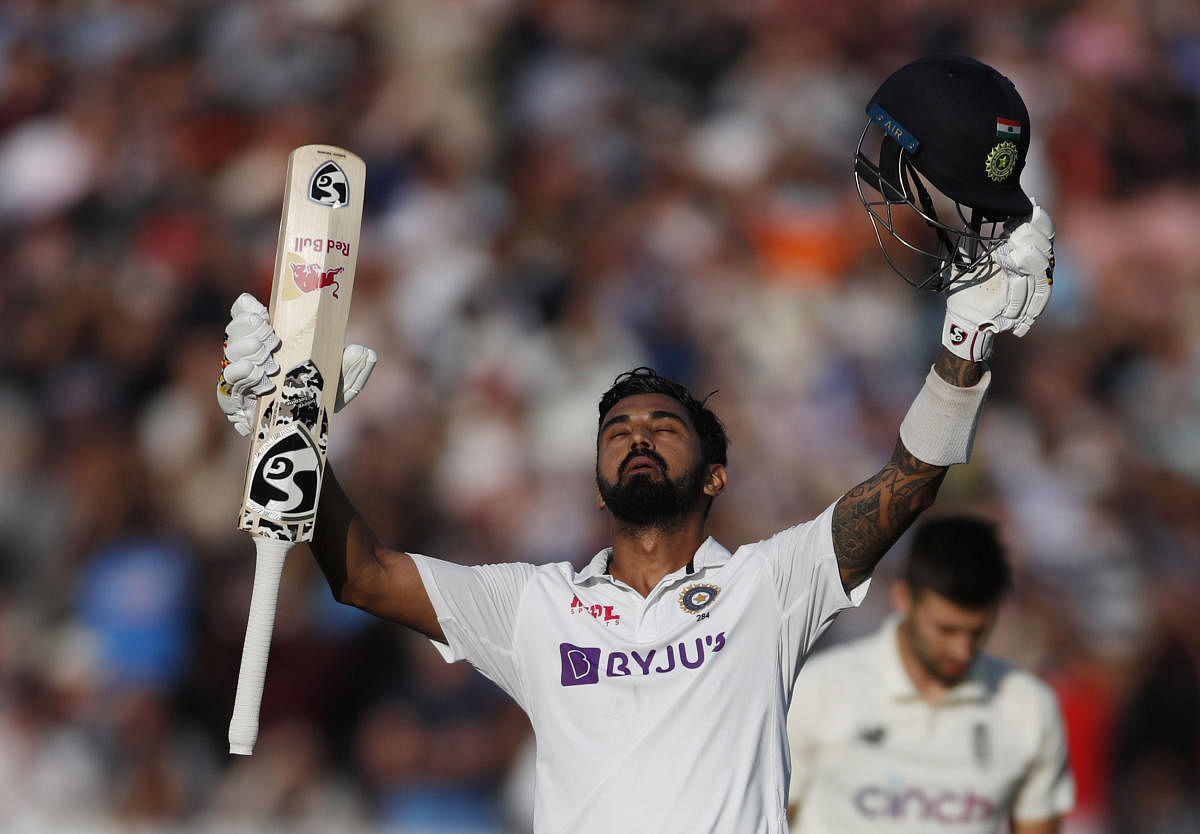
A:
(967, 340)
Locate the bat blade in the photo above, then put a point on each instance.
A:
(310, 305)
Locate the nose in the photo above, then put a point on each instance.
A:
(962, 649)
(641, 437)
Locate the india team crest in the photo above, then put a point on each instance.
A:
(695, 598)
(1001, 161)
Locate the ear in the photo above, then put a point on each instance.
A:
(718, 478)
(600, 505)
(902, 598)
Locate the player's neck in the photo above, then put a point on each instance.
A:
(642, 556)
(928, 686)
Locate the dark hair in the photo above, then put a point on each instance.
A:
(713, 441)
(960, 558)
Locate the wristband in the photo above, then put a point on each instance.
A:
(939, 427)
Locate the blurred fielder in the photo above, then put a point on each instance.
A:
(913, 729)
(657, 679)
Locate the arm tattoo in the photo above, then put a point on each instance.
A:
(956, 370)
(869, 519)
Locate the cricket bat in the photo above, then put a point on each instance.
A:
(310, 302)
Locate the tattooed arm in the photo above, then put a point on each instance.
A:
(869, 518)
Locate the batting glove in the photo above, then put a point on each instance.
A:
(247, 364)
(1008, 291)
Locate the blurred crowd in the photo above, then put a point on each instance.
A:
(558, 190)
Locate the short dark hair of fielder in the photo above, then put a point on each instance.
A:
(960, 558)
(714, 444)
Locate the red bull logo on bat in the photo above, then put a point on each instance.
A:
(310, 277)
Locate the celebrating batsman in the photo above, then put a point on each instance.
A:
(658, 677)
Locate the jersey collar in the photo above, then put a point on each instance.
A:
(710, 554)
(899, 686)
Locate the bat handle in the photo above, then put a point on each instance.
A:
(243, 727)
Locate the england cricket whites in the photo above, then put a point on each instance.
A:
(310, 303)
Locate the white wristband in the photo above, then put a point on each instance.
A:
(940, 425)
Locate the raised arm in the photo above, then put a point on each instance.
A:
(869, 518)
(362, 572)
(1006, 292)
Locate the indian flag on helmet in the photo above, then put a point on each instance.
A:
(1007, 127)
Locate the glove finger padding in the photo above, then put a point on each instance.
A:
(244, 377)
(252, 327)
(251, 350)
(1039, 297)
(247, 364)
(1008, 292)
(1030, 252)
(238, 411)
(246, 304)
(357, 364)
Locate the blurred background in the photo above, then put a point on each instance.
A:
(558, 190)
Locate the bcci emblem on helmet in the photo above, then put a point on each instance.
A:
(1002, 161)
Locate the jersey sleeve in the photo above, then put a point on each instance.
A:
(808, 582)
(1048, 789)
(477, 608)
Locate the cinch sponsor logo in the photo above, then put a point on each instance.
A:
(603, 613)
(945, 807)
(587, 664)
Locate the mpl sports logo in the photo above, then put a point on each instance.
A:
(601, 613)
(583, 665)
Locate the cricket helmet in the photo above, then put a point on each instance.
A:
(942, 186)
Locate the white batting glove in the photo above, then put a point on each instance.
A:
(357, 364)
(1006, 292)
(247, 364)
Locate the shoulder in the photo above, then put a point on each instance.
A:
(807, 541)
(1019, 690)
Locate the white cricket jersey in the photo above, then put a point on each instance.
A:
(870, 755)
(664, 713)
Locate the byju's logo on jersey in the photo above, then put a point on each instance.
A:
(587, 664)
(580, 664)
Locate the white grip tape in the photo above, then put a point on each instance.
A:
(939, 427)
(243, 727)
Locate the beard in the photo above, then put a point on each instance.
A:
(928, 661)
(642, 502)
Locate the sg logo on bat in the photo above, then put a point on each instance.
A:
(329, 186)
(287, 476)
